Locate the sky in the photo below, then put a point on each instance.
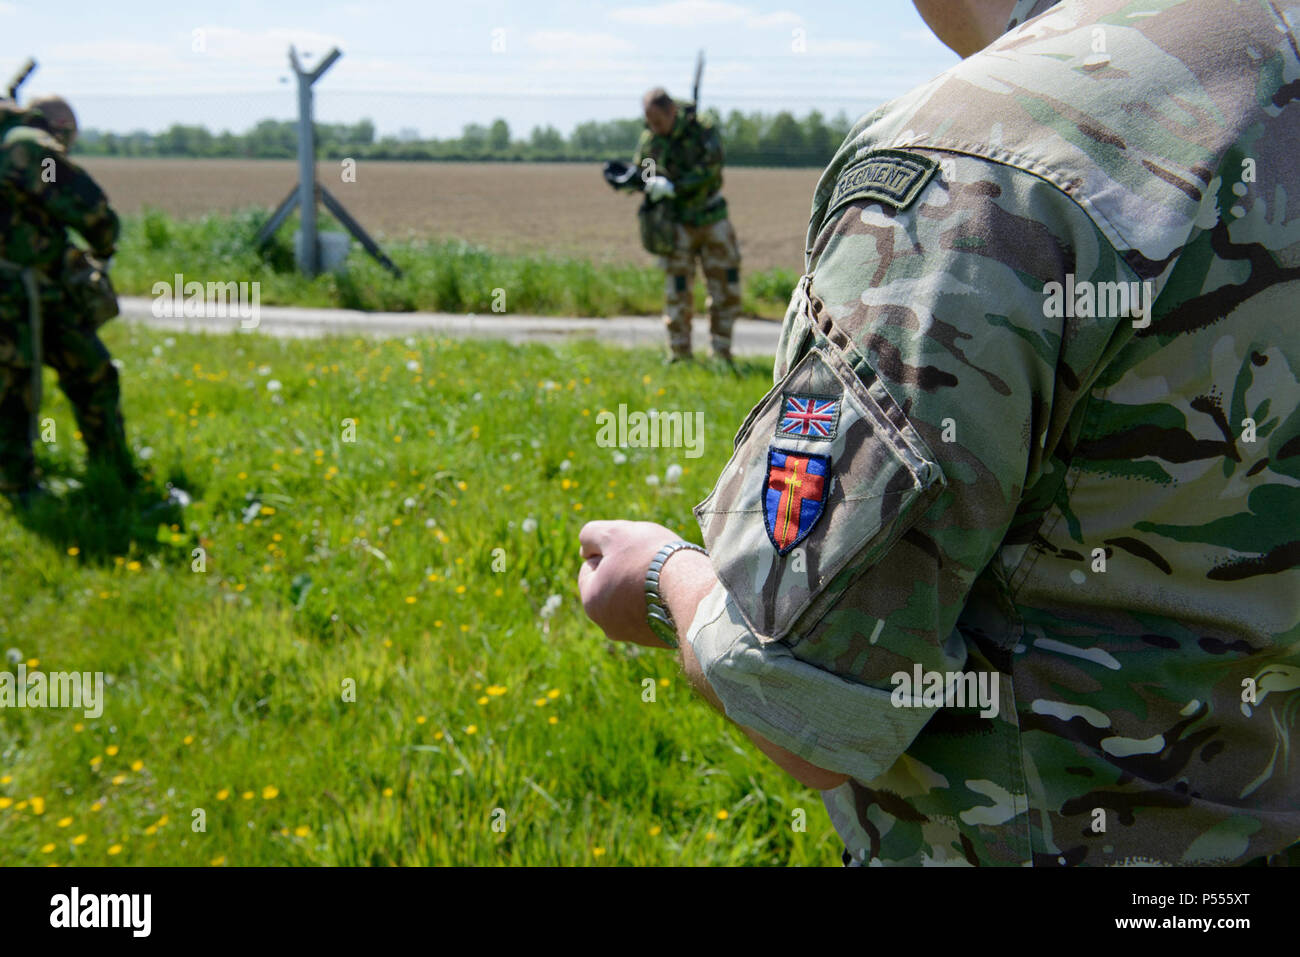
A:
(432, 67)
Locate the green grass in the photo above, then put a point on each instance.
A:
(438, 276)
(370, 561)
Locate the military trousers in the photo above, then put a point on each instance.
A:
(718, 252)
(86, 375)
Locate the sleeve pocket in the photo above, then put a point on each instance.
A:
(827, 471)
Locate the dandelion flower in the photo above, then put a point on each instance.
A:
(79, 839)
(111, 750)
(597, 852)
(115, 850)
(269, 792)
(723, 815)
(137, 764)
(553, 693)
(64, 821)
(48, 848)
(247, 795)
(471, 729)
(223, 794)
(655, 831)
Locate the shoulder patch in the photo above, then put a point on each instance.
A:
(894, 177)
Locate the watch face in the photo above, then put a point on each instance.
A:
(663, 631)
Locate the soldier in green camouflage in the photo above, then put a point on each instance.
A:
(680, 155)
(1006, 563)
(42, 194)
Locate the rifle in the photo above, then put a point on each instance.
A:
(20, 78)
(695, 87)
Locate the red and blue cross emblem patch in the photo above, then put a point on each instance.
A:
(794, 495)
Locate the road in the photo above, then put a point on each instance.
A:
(751, 337)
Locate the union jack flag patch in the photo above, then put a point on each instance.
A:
(809, 416)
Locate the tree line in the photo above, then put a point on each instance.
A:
(749, 139)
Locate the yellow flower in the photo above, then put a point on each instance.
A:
(710, 836)
(74, 551)
(33, 662)
(64, 821)
(111, 750)
(302, 830)
(247, 795)
(552, 720)
(460, 589)
(96, 761)
(597, 852)
(471, 729)
(540, 702)
(137, 764)
(114, 850)
(269, 792)
(5, 802)
(223, 794)
(722, 815)
(388, 792)
(437, 736)
(119, 778)
(151, 830)
(38, 805)
(553, 693)
(133, 566)
(655, 831)
(97, 807)
(48, 848)
(664, 682)
(6, 779)
(189, 739)
(78, 727)
(496, 690)
(218, 861)
(79, 839)
(162, 821)
(268, 510)
(410, 599)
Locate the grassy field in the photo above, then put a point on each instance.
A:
(431, 563)
(438, 276)
(563, 209)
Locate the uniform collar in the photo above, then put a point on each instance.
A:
(1027, 10)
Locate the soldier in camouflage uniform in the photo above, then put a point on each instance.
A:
(682, 152)
(42, 193)
(979, 459)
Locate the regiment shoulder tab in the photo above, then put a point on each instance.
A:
(894, 177)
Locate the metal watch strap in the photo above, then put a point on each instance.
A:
(658, 616)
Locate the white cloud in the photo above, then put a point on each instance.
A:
(690, 13)
(923, 38)
(846, 48)
(574, 41)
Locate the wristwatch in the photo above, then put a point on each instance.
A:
(657, 613)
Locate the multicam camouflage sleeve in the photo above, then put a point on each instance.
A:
(1012, 542)
(33, 162)
(918, 384)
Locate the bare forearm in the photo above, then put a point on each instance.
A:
(685, 581)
